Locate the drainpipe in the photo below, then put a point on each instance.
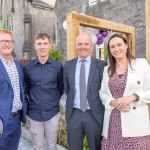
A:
(13, 8)
(1, 5)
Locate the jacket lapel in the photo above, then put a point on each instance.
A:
(73, 70)
(131, 75)
(19, 74)
(18, 69)
(4, 73)
(91, 72)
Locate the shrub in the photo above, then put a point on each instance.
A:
(62, 134)
(55, 54)
(85, 143)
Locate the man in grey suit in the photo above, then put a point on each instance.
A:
(84, 109)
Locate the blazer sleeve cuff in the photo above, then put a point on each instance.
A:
(142, 99)
(108, 106)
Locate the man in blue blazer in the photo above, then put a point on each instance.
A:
(12, 94)
(84, 109)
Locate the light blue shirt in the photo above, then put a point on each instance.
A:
(77, 80)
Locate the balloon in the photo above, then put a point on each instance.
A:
(65, 24)
(74, 11)
(94, 38)
(82, 14)
(100, 31)
(99, 36)
(104, 33)
(99, 41)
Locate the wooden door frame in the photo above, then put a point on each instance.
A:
(75, 20)
(147, 20)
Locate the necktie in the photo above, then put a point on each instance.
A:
(83, 99)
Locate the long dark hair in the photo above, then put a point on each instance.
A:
(112, 60)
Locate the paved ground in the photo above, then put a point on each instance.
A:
(25, 145)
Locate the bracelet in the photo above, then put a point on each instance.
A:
(137, 97)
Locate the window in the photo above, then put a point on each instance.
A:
(9, 22)
(27, 33)
(1, 23)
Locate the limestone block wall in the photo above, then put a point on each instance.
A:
(126, 12)
(43, 20)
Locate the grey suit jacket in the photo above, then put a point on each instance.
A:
(93, 87)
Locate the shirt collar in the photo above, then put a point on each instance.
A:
(37, 61)
(87, 59)
(5, 61)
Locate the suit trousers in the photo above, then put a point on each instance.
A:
(81, 124)
(11, 133)
(45, 133)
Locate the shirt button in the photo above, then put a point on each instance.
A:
(138, 82)
(134, 107)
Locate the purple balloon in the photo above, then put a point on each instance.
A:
(99, 41)
(104, 33)
(100, 31)
(99, 36)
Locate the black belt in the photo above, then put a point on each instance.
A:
(15, 113)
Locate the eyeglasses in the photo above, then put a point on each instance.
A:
(6, 42)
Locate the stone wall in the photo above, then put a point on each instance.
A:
(43, 20)
(62, 8)
(126, 12)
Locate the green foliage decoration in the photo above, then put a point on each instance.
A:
(105, 52)
(55, 54)
(62, 134)
(85, 143)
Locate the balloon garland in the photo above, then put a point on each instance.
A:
(100, 36)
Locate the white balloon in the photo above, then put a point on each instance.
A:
(65, 24)
(82, 14)
(74, 11)
(94, 38)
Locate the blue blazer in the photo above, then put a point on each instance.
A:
(6, 93)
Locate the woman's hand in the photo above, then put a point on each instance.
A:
(125, 108)
(124, 102)
(113, 103)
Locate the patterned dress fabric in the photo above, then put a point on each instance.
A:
(115, 141)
